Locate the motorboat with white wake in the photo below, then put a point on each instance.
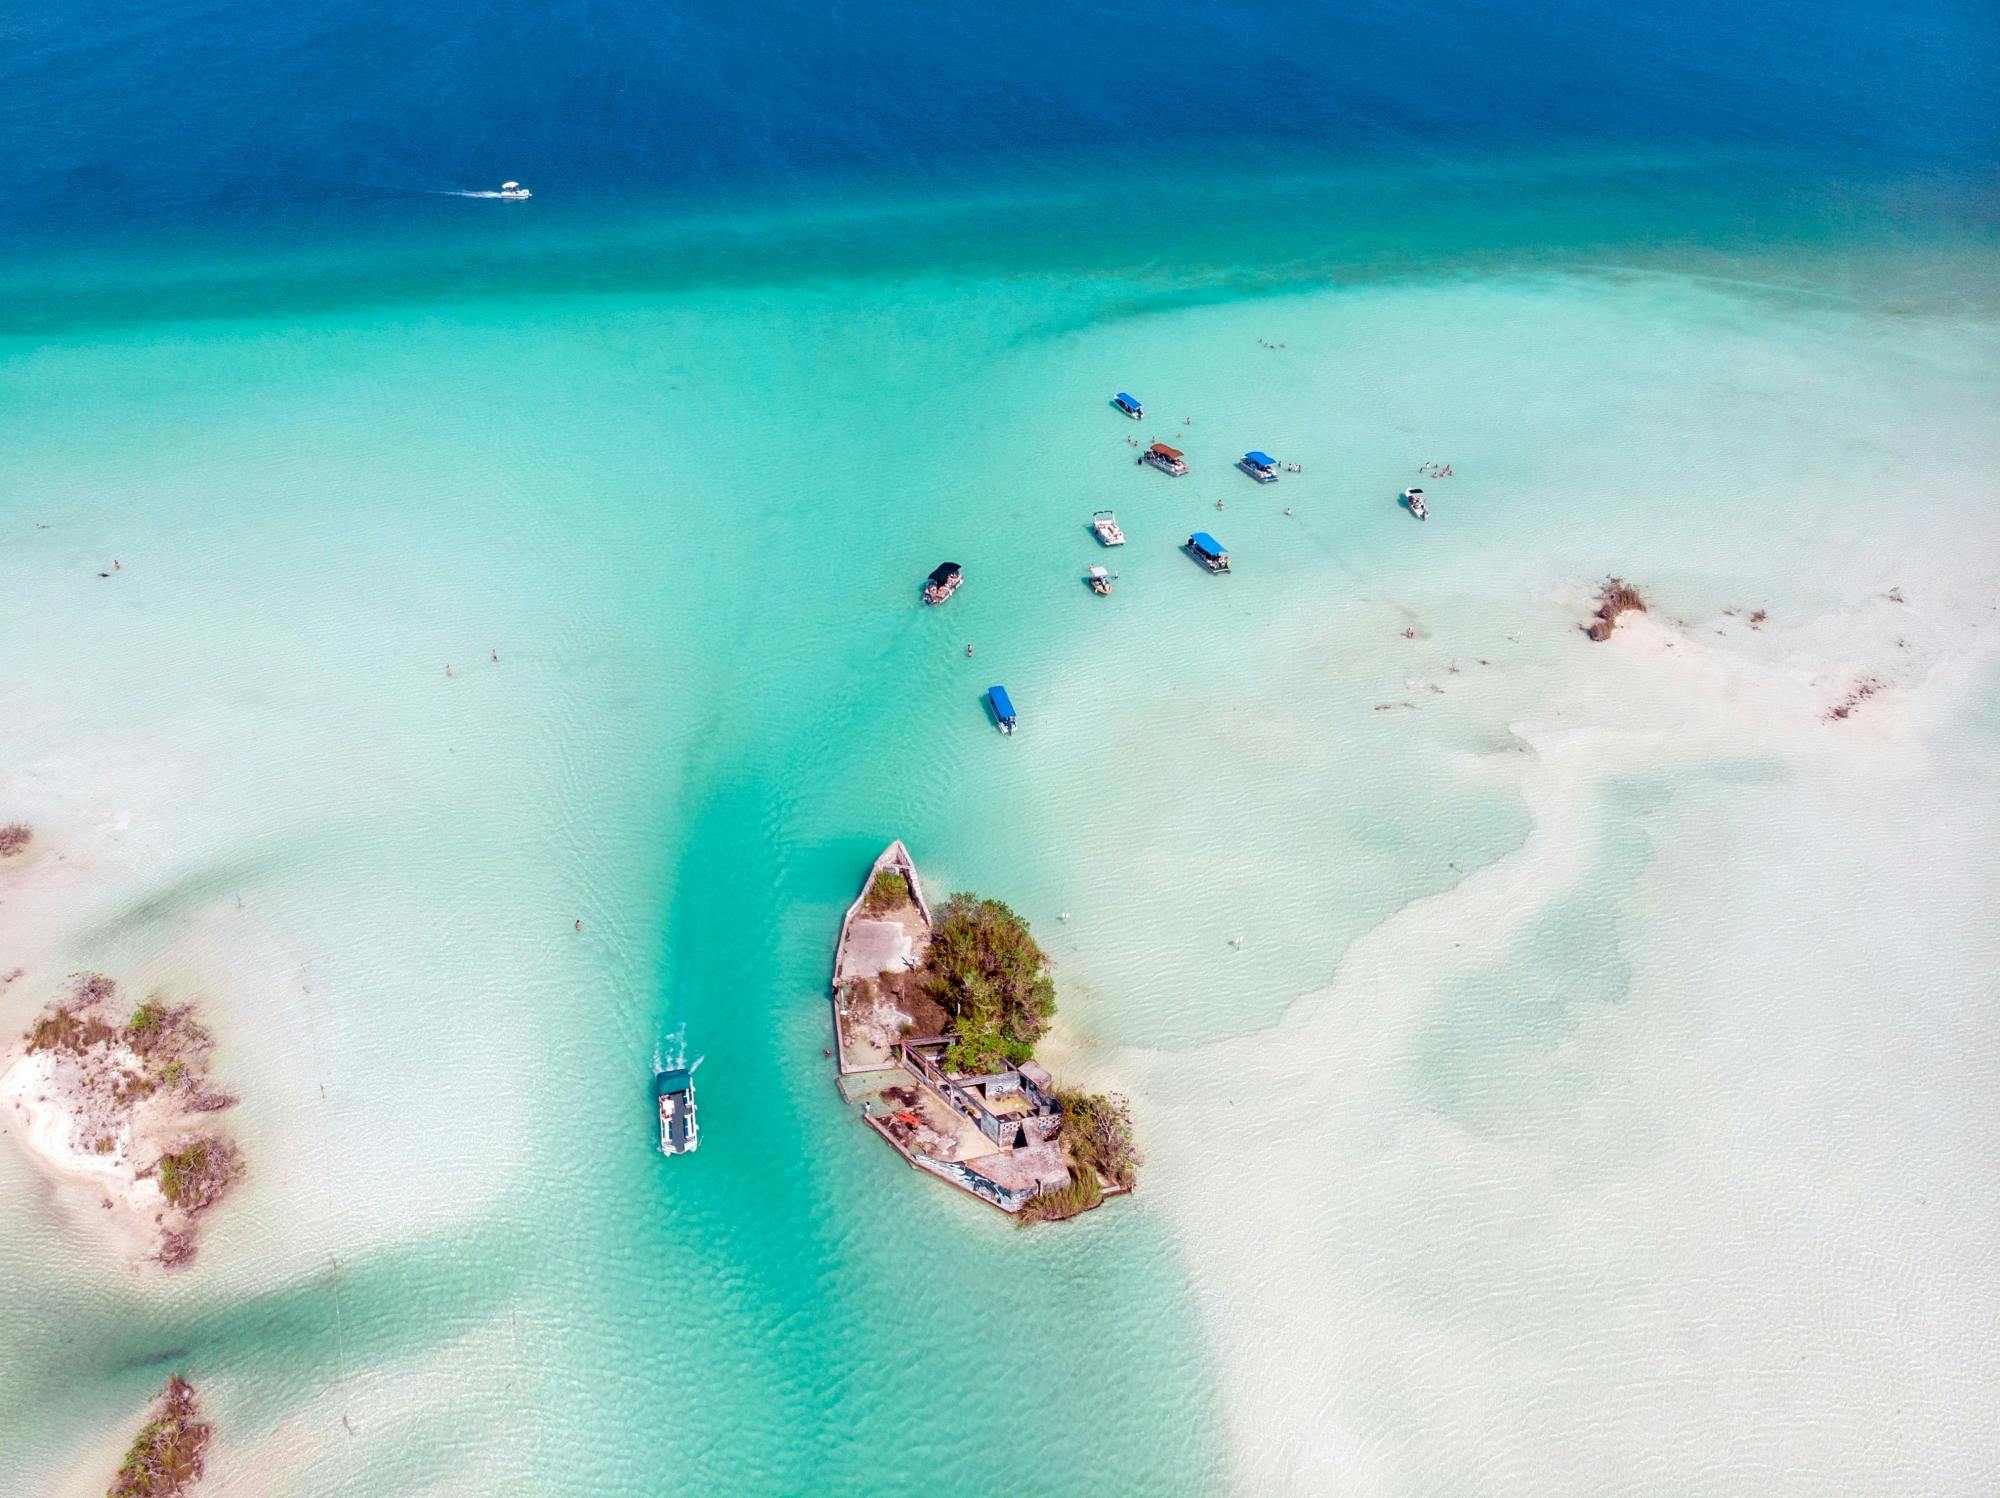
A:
(680, 1134)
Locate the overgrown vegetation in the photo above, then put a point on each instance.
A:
(1080, 1195)
(72, 1023)
(1616, 597)
(195, 1175)
(163, 1032)
(14, 837)
(986, 972)
(888, 890)
(166, 1457)
(1098, 1129)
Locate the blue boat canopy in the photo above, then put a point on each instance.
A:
(678, 1080)
(1003, 705)
(1128, 401)
(1206, 544)
(1260, 460)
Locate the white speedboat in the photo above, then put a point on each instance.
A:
(1106, 525)
(1414, 498)
(514, 192)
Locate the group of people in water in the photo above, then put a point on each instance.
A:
(1436, 470)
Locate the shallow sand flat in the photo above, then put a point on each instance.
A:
(100, 1192)
(1640, 1199)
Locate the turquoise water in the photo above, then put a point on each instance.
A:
(1552, 1079)
(692, 525)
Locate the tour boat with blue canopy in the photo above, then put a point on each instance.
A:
(1129, 404)
(1208, 551)
(1261, 466)
(679, 1132)
(1003, 708)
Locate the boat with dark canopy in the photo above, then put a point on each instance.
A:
(679, 1132)
(943, 582)
(1169, 460)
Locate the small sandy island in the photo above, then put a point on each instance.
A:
(117, 1109)
(166, 1457)
(935, 1016)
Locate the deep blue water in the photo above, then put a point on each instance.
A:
(122, 123)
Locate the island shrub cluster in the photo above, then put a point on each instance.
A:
(888, 890)
(1616, 597)
(194, 1176)
(985, 971)
(133, 1085)
(14, 837)
(74, 1023)
(1098, 1129)
(165, 1459)
(1083, 1192)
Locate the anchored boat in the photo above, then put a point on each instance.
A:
(1208, 551)
(943, 582)
(1129, 404)
(679, 1133)
(1414, 498)
(1260, 466)
(1003, 709)
(1106, 525)
(1168, 460)
(1100, 581)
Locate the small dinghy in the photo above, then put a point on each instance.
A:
(1414, 499)
(1100, 582)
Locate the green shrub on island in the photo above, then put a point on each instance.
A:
(195, 1176)
(1082, 1193)
(985, 971)
(1097, 1127)
(165, 1458)
(888, 890)
(146, 1020)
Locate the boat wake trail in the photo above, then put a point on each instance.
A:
(670, 1052)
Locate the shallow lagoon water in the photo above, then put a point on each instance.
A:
(1592, 1102)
